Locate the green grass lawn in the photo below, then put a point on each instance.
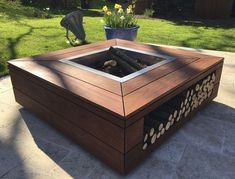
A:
(22, 35)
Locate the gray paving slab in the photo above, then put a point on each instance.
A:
(171, 151)
(202, 131)
(7, 97)
(56, 152)
(203, 148)
(198, 163)
(42, 131)
(5, 84)
(219, 111)
(79, 164)
(154, 168)
(37, 165)
(229, 139)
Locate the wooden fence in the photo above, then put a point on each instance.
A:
(213, 8)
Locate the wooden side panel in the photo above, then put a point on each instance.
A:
(106, 153)
(162, 100)
(159, 88)
(84, 90)
(218, 74)
(86, 76)
(68, 87)
(51, 61)
(134, 134)
(103, 130)
(69, 96)
(136, 155)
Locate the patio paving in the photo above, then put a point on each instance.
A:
(203, 148)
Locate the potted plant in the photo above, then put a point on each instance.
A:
(120, 22)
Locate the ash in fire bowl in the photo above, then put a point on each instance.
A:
(119, 63)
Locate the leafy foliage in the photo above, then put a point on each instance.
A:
(14, 9)
(54, 4)
(148, 12)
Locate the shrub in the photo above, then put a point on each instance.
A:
(41, 14)
(54, 4)
(14, 9)
(148, 12)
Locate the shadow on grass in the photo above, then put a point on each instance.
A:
(12, 44)
(91, 13)
(206, 23)
(221, 46)
(217, 39)
(86, 12)
(13, 10)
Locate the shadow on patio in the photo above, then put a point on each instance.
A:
(79, 164)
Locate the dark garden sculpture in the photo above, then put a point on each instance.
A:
(74, 22)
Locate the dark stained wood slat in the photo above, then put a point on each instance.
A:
(133, 134)
(64, 53)
(218, 74)
(109, 155)
(178, 53)
(80, 74)
(51, 60)
(69, 96)
(77, 115)
(142, 80)
(176, 91)
(153, 91)
(106, 100)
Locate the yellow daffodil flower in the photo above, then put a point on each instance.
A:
(120, 10)
(109, 13)
(105, 8)
(130, 7)
(117, 6)
(129, 11)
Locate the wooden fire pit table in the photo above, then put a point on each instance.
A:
(119, 118)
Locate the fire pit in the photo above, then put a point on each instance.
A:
(118, 63)
(118, 99)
